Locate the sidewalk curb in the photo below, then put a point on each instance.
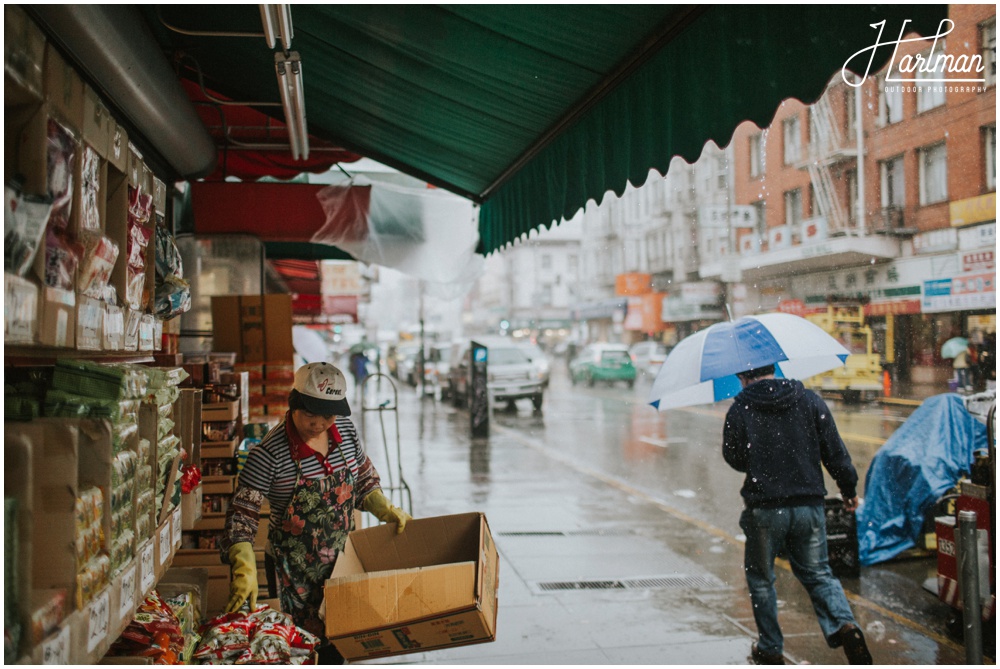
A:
(900, 401)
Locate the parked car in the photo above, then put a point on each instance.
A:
(603, 362)
(437, 364)
(406, 367)
(511, 373)
(540, 361)
(648, 357)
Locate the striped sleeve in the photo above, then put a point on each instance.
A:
(367, 477)
(243, 515)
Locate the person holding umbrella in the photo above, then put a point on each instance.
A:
(957, 348)
(781, 436)
(314, 471)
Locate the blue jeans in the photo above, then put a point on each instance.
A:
(801, 530)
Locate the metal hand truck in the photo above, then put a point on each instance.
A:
(374, 400)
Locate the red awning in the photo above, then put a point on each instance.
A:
(271, 211)
(245, 138)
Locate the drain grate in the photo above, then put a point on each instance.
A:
(610, 532)
(673, 581)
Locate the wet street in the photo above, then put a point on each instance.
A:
(617, 528)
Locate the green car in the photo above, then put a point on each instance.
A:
(603, 362)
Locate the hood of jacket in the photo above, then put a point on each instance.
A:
(772, 394)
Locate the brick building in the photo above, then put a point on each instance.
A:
(913, 237)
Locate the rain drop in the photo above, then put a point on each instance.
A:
(876, 630)
(822, 416)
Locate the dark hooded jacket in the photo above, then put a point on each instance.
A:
(778, 434)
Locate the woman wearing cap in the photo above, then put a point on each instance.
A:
(314, 472)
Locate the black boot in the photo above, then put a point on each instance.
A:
(329, 654)
(855, 647)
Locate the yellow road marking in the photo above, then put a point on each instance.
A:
(715, 531)
(863, 438)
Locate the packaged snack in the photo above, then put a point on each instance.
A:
(100, 254)
(90, 191)
(47, 614)
(61, 152)
(24, 220)
(61, 258)
(218, 430)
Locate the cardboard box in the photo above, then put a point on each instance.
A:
(77, 224)
(63, 88)
(130, 340)
(18, 485)
(434, 586)
(191, 508)
(265, 326)
(97, 123)
(218, 449)
(89, 324)
(187, 422)
(23, 56)
(20, 325)
(114, 328)
(221, 411)
(218, 485)
(147, 325)
(57, 318)
(117, 146)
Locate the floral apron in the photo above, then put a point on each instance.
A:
(307, 542)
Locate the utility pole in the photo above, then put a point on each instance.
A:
(859, 138)
(423, 343)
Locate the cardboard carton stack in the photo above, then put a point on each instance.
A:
(263, 346)
(70, 605)
(80, 209)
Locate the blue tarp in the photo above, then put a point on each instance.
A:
(920, 462)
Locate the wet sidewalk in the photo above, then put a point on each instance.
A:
(594, 572)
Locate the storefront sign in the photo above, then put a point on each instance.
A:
(936, 241)
(897, 308)
(700, 292)
(814, 230)
(644, 313)
(728, 216)
(599, 310)
(340, 277)
(633, 283)
(974, 210)
(674, 310)
(978, 261)
(960, 293)
(978, 237)
(749, 244)
(794, 307)
(779, 238)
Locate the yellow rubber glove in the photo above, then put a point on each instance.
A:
(243, 586)
(377, 505)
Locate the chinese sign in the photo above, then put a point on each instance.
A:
(969, 291)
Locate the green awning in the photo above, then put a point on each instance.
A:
(532, 110)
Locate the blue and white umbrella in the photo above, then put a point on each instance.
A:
(702, 368)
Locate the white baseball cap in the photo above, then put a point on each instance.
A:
(322, 389)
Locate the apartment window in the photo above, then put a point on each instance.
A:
(546, 261)
(850, 102)
(757, 155)
(988, 36)
(793, 139)
(546, 296)
(572, 264)
(761, 209)
(990, 151)
(890, 103)
(892, 182)
(933, 174)
(930, 93)
(793, 207)
(814, 208)
(852, 195)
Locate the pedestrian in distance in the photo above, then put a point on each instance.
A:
(961, 367)
(781, 436)
(313, 470)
